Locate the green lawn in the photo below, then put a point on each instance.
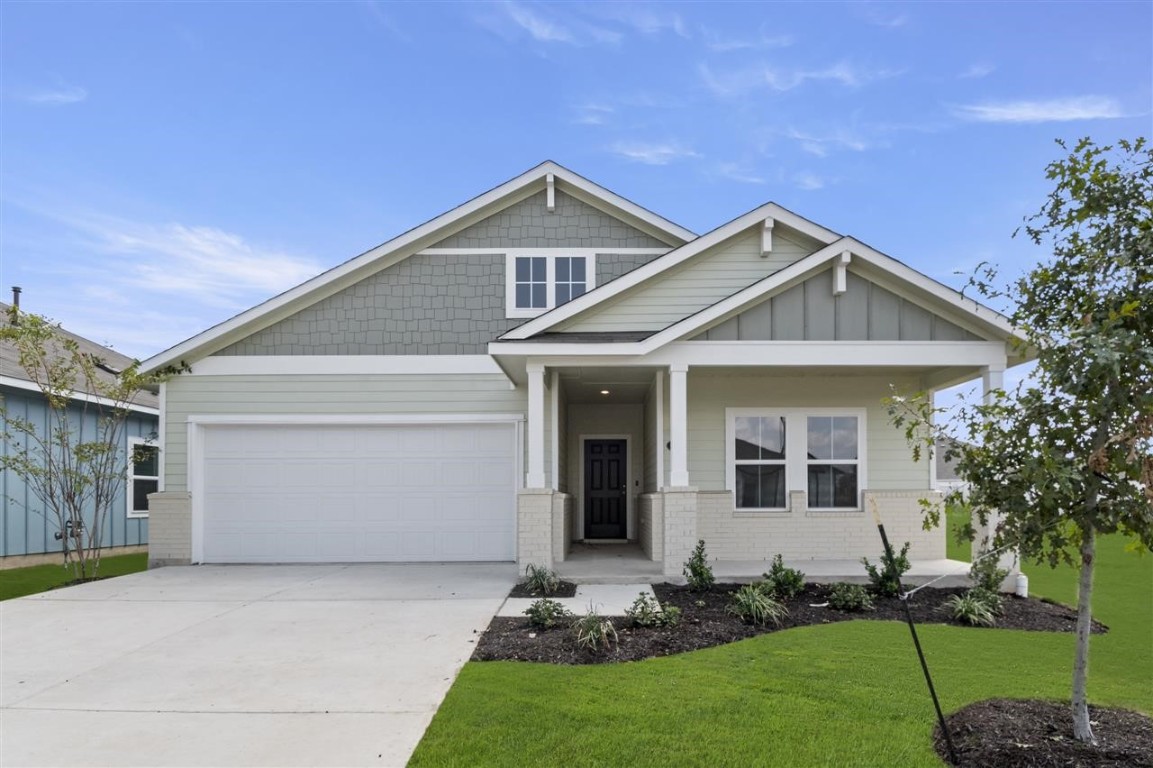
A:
(18, 582)
(842, 694)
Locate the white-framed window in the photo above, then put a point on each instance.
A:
(538, 282)
(773, 451)
(143, 475)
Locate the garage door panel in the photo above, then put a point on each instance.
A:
(359, 493)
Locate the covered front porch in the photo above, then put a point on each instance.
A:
(630, 463)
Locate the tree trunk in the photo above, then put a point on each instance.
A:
(1082, 731)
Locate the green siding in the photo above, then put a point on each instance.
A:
(703, 280)
(890, 465)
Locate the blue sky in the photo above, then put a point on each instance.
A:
(164, 166)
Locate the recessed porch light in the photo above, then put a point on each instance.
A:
(604, 392)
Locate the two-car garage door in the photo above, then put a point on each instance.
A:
(307, 493)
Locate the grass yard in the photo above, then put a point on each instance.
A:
(842, 694)
(18, 582)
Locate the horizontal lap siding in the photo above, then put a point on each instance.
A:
(298, 394)
(890, 465)
(702, 281)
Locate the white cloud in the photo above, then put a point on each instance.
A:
(821, 144)
(1051, 111)
(808, 181)
(540, 29)
(977, 71)
(653, 153)
(69, 94)
(646, 19)
(883, 17)
(739, 173)
(716, 42)
(593, 114)
(742, 81)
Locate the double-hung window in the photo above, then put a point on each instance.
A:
(540, 282)
(772, 452)
(143, 475)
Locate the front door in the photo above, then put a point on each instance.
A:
(606, 491)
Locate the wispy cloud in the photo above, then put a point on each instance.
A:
(1051, 111)
(68, 94)
(881, 16)
(820, 144)
(644, 18)
(739, 173)
(977, 70)
(653, 153)
(539, 28)
(593, 114)
(808, 181)
(718, 43)
(739, 82)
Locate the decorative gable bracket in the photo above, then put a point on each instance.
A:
(767, 237)
(840, 269)
(550, 193)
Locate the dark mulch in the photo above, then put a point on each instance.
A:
(566, 589)
(705, 623)
(1001, 733)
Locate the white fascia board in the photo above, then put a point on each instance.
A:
(266, 365)
(793, 354)
(400, 247)
(341, 419)
(609, 202)
(673, 258)
(9, 381)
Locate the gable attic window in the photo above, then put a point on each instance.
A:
(538, 282)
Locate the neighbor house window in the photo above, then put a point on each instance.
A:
(540, 282)
(143, 475)
(771, 452)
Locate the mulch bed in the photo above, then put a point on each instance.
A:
(705, 623)
(1002, 733)
(566, 589)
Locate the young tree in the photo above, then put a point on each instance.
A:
(74, 463)
(1069, 454)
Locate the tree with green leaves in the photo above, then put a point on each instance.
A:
(75, 462)
(1068, 455)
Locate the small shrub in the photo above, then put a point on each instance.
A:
(594, 632)
(697, 571)
(540, 580)
(971, 609)
(646, 611)
(887, 579)
(986, 575)
(852, 598)
(784, 582)
(993, 600)
(752, 605)
(546, 614)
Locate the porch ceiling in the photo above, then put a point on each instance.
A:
(624, 384)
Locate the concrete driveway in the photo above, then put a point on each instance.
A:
(239, 665)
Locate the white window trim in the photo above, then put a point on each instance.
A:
(796, 445)
(550, 255)
(129, 486)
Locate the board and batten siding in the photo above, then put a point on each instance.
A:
(25, 527)
(703, 280)
(325, 394)
(809, 311)
(889, 459)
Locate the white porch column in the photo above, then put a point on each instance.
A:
(992, 377)
(678, 425)
(534, 476)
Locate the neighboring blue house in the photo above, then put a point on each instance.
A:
(25, 527)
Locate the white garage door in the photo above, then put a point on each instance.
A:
(358, 493)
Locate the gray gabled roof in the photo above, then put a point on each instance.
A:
(108, 358)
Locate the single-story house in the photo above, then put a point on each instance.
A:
(550, 362)
(28, 533)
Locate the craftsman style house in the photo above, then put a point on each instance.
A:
(550, 362)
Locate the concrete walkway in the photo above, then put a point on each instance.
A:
(239, 665)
